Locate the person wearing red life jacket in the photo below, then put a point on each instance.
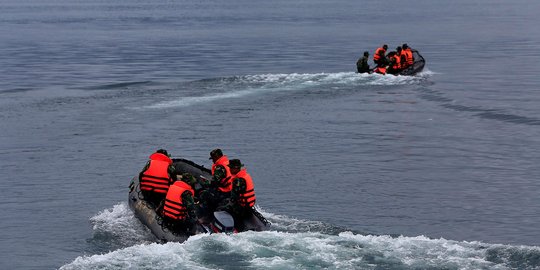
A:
(379, 57)
(242, 199)
(178, 209)
(219, 188)
(220, 170)
(156, 177)
(395, 62)
(409, 58)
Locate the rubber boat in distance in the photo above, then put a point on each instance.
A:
(216, 222)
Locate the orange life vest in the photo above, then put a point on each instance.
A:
(174, 208)
(380, 51)
(397, 63)
(225, 184)
(380, 70)
(408, 56)
(156, 178)
(223, 161)
(247, 198)
(403, 59)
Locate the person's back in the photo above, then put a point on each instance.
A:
(242, 198)
(409, 58)
(403, 59)
(395, 62)
(179, 211)
(219, 187)
(156, 177)
(362, 65)
(379, 56)
(243, 192)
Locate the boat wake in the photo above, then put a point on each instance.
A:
(478, 111)
(240, 86)
(117, 227)
(295, 244)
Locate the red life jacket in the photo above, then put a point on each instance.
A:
(403, 59)
(225, 184)
(156, 178)
(381, 70)
(174, 208)
(397, 63)
(380, 51)
(409, 56)
(247, 198)
(223, 161)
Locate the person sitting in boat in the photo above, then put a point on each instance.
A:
(242, 199)
(408, 56)
(379, 57)
(220, 167)
(395, 62)
(362, 65)
(179, 210)
(156, 177)
(219, 188)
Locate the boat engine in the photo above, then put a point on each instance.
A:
(223, 222)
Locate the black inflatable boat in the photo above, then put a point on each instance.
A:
(215, 222)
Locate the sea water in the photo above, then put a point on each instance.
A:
(435, 171)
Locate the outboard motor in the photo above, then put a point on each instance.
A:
(223, 222)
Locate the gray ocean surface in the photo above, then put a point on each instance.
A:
(436, 171)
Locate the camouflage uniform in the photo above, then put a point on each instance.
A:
(362, 65)
(210, 195)
(231, 204)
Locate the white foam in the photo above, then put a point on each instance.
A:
(293, 243)
(242, 86)
(289, 224)
(188, 101)
(340, 78)
(306, 250)
(120, 223)
(151, 256)
(422, 252)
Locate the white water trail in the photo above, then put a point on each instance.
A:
(248, 85)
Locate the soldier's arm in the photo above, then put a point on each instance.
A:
(172, 173)
(238, 187)
(219, 174)
(187, 200)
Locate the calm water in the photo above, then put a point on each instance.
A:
(436, 171)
